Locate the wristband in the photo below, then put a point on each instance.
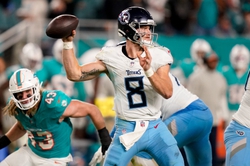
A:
(149, 72)
(105, 139)
(4, 141)
(67, 45)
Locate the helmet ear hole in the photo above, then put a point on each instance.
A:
(137, 36)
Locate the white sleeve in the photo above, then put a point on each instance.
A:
(161, 56)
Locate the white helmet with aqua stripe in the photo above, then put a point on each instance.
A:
(24, 80)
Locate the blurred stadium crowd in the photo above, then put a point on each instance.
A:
(223, 18)
(199, 18)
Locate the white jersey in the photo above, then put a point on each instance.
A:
(242, 115)
(179, 100)
(135, 98)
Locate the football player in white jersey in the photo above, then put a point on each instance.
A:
(139, 72)
(237, 132)
(190, 121)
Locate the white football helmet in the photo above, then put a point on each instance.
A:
(57, 50)
(31, 56)
(239, 57)
(199, 45)
(23, 79)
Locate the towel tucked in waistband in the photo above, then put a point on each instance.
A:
(129, 139)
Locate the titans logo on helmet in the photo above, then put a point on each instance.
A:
(124, 17)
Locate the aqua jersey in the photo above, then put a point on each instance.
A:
(54, 73)
(48, 137)
(235, 88)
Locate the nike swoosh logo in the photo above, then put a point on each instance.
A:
(156, 126)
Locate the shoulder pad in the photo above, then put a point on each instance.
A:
(55, 98)
(163, 48)
(121, 43)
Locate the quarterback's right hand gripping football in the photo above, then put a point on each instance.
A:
(69, 38)
(97, 158)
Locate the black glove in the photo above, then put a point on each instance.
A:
(4, 141)
(105, 139)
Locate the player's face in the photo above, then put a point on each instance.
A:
(241, 62)
(145, 32)
(25, 96)
(212, 61)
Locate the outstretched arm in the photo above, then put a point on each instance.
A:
(77, 109)
(74, 71)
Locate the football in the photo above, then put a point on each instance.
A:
(62, 26)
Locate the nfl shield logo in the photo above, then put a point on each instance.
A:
(124, 131)
(132, 63)
(142, 124)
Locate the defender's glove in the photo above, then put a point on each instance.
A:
(97, 158)
(105, 139)
(4, 141)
